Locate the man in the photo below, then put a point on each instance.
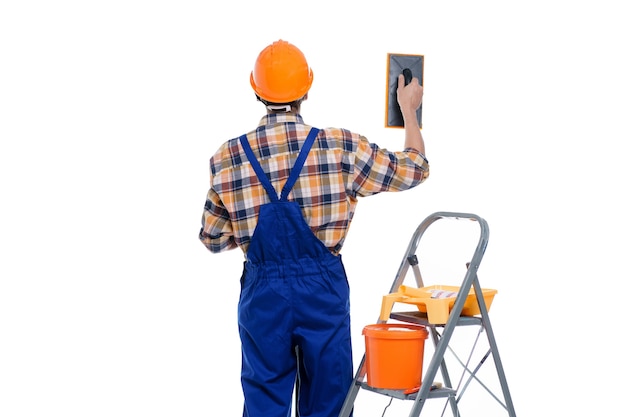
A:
(285, 194)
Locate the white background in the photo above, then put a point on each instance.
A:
(110, 111)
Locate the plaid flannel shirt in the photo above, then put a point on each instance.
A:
(340, 167)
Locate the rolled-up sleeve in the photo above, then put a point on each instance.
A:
(216, 232)
(377, 169)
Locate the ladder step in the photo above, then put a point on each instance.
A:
(417, 317)
(435, 392)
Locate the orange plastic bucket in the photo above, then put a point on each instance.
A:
(394, 355)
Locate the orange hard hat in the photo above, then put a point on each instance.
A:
(281, 73)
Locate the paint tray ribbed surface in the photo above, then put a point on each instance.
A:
(436, 301)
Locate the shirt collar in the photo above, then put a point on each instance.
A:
(274, 118)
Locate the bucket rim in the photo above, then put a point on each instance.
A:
(388, 331)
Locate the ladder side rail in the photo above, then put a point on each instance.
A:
(410, 251)
(399, 280)
(414, 262)
(407, 260)
(482, 305)
(444, 341)
(444, 368)
(444, 372)
(348, 403)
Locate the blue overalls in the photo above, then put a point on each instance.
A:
(294, 295)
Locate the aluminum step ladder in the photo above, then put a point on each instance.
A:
(442, 334)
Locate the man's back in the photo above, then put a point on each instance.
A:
(341, 167)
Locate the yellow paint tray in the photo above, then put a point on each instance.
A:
(436, 301)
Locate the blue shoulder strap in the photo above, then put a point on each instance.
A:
(257, 169)
(297, 167)
(295, 171)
